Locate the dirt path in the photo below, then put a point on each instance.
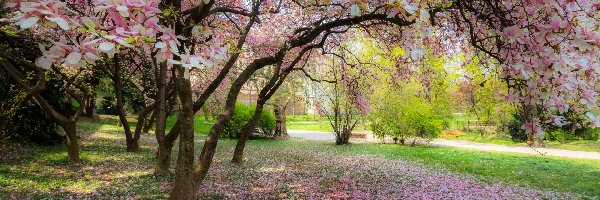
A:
(326, 136)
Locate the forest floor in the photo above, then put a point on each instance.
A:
(292, 169)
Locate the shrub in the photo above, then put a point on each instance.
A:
(267, 123)
(559, 135)
(242, 114)
(406, 117)
(513, 128)
(553, 133)
(108, 106)
(589, 134)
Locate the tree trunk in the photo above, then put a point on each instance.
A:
(163, 159)
(238, 154)
(184, 187)
(186, 190)
(210, 144)
(131, 144)
(265, 94)
(343, 137)
(149, 123)
(162, 165)
(89, 108)
(72, 142)
(280, 129)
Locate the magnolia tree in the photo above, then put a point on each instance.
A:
(547, 50)
(96, 29)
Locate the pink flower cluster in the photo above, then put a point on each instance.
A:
(127, 23)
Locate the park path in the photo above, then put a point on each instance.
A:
(327, 136)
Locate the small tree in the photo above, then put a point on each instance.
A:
(344, 100)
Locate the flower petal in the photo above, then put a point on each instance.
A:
(43, 62)
(73, 58)
(106, 46)
(29, 22)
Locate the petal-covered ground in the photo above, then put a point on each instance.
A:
(272, 170)
(305, 174)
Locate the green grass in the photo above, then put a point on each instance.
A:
(458, 120)
(323, 126)
(200, 125)
(41, 171)
(297, 118)
(575, 145)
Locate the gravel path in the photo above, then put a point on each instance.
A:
(326, 136)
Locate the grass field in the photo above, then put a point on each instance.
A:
(575, 145)
(310, 126)
(108, 171)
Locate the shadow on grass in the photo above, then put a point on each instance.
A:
(106, 170)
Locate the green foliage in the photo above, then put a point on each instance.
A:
(243, 114)
(513, 128)
(108, 106)
(399, 115)
(403, 105)
(479, 91)
(20, 117)
(562, 134)
(267, 122)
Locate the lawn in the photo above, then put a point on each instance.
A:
(292, 169)
(323, 126)
(575, 145)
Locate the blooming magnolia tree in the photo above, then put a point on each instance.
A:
(91, 30)
(548, 52)
(548, 49)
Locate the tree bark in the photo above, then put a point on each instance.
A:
(163, 161)
(343, 136)
(131, 144)
(280, 128)
(149, 123)
(184, 181)
(89, 108)
(72, 142)
(238, 154)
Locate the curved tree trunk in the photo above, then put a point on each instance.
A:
(132, 145)
(238, 154)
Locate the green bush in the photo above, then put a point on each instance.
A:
(108, 106)
(267, 122)
(404, 117)
(589, 134)
(242, 114)
(553, 133)
(20, 118)
(513, 128)
(559, 135)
